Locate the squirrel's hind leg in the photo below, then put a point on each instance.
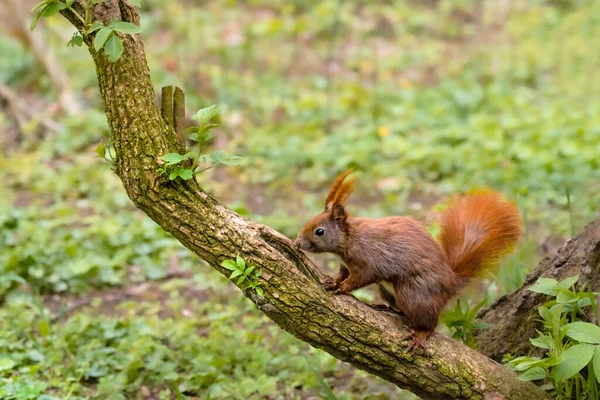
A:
(386, 296)
(419, 338)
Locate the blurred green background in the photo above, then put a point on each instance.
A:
(423, 98)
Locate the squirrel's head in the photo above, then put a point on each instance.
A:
(326, 232)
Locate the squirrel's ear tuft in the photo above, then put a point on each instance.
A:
(340, 190)
(338, 213)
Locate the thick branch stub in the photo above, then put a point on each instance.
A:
(166, 104)
(179, 113)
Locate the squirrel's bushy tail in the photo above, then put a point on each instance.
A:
(477, 230)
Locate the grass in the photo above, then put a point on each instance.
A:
(424, 99)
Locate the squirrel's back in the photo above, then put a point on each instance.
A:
(477, 230)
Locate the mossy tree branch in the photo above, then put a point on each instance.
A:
(294, 298)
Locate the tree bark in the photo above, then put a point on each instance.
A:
(293, 296)
(515, 316)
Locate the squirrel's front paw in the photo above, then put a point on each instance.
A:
(330, 284)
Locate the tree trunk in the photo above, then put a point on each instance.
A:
(293, 296)
(515, 316)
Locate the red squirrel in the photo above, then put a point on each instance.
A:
(476, 231)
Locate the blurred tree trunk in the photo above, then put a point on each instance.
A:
(515, 316)
(293, 296)
(16, 18)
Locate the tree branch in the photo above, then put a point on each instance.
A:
(293, 296)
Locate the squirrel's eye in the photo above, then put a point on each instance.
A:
(319, 232)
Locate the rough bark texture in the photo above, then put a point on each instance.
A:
(294, 297)
(515, 316)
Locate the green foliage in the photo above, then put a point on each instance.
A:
(570, 345)
(107, 39)
(243, 274)
(106, 152)
(202, 134)
(76, 40)
(228, 350)
(510, 103)
(48, 8)
(73, 253)
(461, 321)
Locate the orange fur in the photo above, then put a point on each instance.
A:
(340, 190)
(476, 231)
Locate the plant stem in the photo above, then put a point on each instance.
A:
(204, 169)
(195, 164)
(85, 25)
(88, 14)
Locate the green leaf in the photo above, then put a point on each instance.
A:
(566, 296)
(204, 115)
(545, 342)
(173, 175)
(545, 314)
(230, 160)
(7, 363)
(113, 48)
(41, 4)
(532, 374)
(172, 158)
(260, 292)
(125, 27)
(546, 286)
(568, 282)
(549, 362)
(230, 265)
(576, 358)
(240, 261)
(584, 332)
(76, 40)
(522, 366)
(216, 155)
(186, 174)
(35, 20)
(596, 362)
(44, 328)
(94, 27)
(201, 160)
(101, 38)
(249, 270)
(242, 279)
(13, 277)
(584, 302)
(520, 359)
(207, 135)
(235, 273)
(53, 8)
